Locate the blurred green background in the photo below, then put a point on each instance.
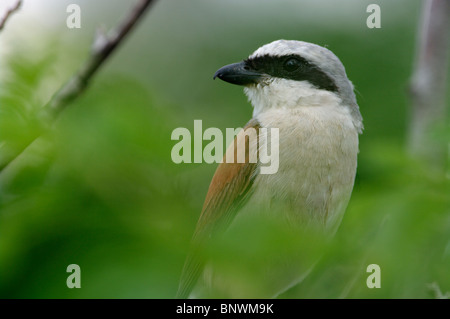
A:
(99, 188)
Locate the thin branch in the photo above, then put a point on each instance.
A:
(429, 82)
(9, 12)
(103, 46)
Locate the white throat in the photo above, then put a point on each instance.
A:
(282, 93)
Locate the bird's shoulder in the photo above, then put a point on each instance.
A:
(230, 188)
(233, 178)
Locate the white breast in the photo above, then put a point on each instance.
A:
(318, 148)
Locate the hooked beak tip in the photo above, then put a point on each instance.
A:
(237, 73)
(217, 75)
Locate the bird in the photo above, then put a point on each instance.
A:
(302, 90)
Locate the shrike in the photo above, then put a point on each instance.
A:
(301, 89)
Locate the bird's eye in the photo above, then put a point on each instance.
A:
(291, 65)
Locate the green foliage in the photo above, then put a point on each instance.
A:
(399, 219)
(100, 192)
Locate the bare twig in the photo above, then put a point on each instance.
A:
(9, 12)
(102, 48)
(428, 83)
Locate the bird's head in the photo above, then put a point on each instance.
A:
(289, 73)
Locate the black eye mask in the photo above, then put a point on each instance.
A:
(292, 67)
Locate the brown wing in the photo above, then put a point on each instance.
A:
(229, 189)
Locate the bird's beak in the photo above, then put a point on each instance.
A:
(238, 73)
